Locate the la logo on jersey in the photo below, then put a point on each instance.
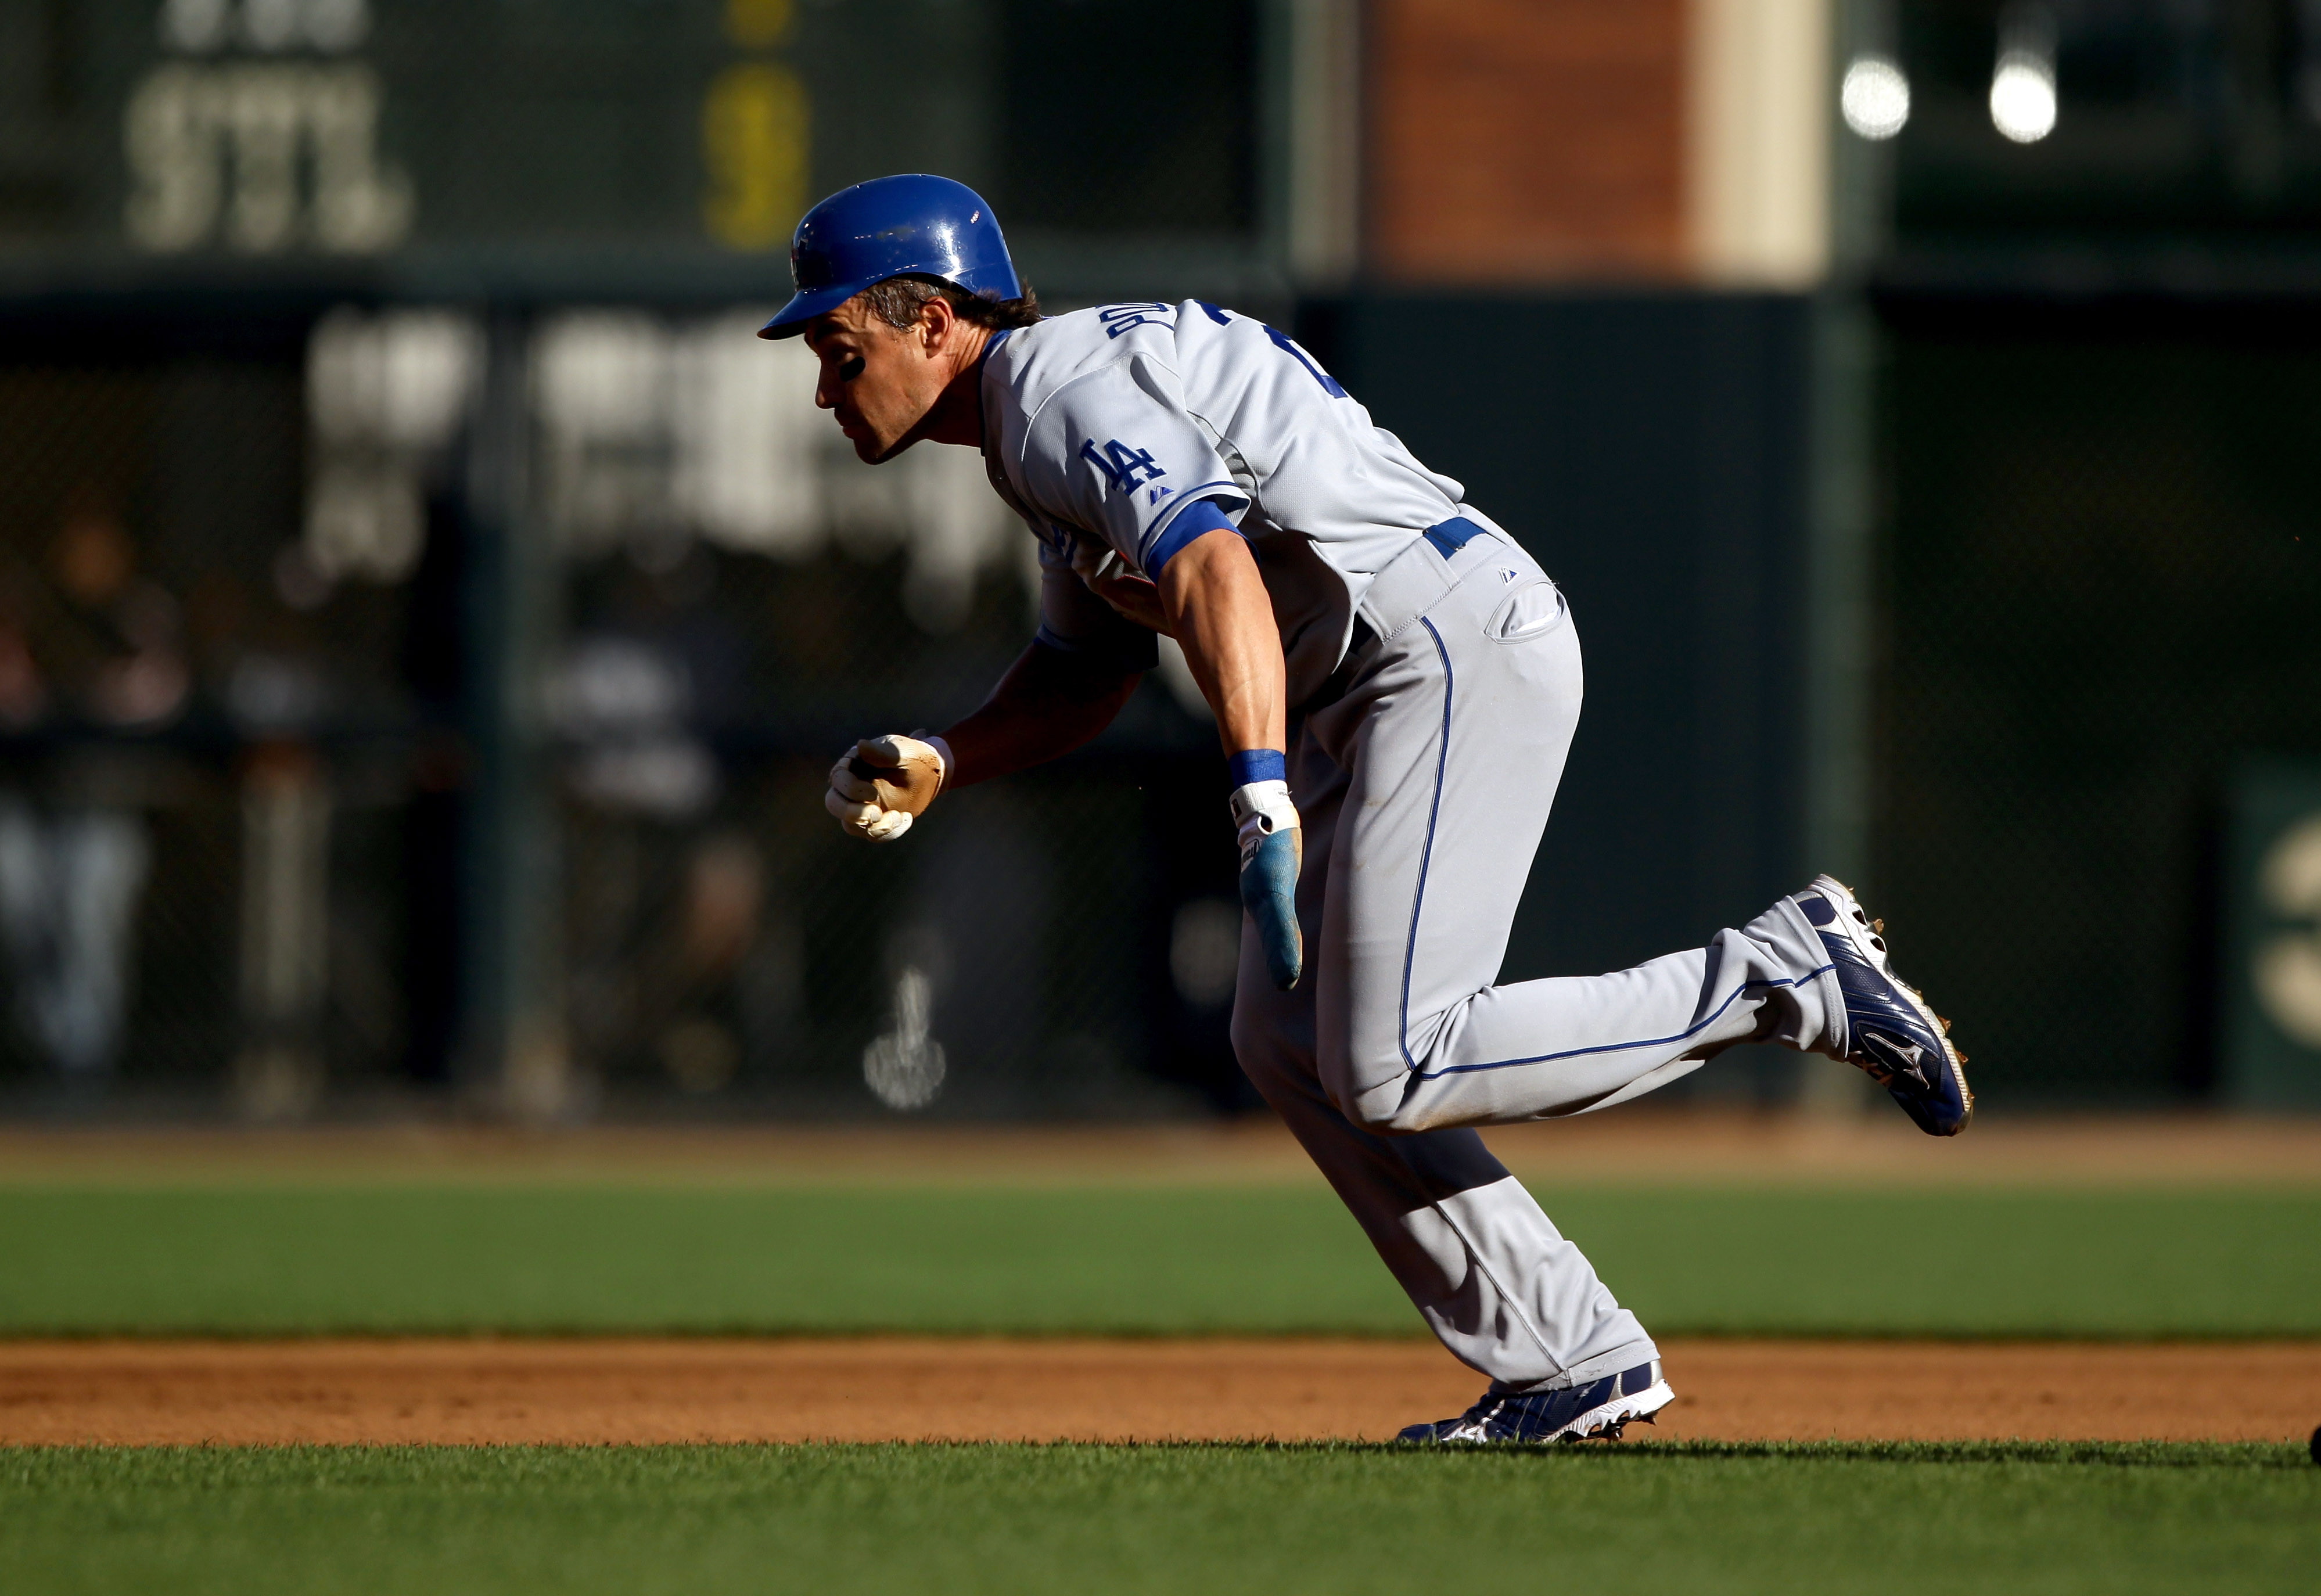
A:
(1124, 468)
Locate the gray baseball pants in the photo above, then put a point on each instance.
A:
(1423, 777)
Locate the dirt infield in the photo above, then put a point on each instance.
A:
(467, 1392)
(1645, 1146)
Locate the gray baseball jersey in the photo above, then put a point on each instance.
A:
(1104, 426)
(1422, 764)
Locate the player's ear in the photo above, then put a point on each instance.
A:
(938, 323)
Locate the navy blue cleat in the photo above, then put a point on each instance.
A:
(1600, 1409)
(1889, 1032)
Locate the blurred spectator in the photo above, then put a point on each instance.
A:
(68, 889)
(117, 654)
(624, 703)
(95, 648)
(665, 907)
(24, 695)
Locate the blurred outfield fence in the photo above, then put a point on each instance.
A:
(426, 615)
(2096, 574)
(298, 740)
(2102, 594)
(279, 705)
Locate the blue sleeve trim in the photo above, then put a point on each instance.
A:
(1196, 519)
(1258, 765)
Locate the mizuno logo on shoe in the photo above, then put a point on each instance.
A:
(1907, 1058)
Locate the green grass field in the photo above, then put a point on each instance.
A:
(1897, 1520)
(548, 1259)
(314, 1256)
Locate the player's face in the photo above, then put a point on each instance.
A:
(878, 382)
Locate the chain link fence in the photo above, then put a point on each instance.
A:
(147, 668)
(2103, 570)
(242, 694)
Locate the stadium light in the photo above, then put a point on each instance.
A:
(1875, 97)
(2023, 97)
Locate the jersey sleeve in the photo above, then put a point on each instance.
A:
(1115, 451)
(1072, 618)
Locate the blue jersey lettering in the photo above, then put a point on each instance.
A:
(1122, 465)
(1119, 318)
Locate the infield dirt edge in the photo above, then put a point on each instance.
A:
(600, 1391)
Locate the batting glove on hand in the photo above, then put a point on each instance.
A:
(1272, 850)
(883, 783)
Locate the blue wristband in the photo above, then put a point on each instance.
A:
(1258, 765)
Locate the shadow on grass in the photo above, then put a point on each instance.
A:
(2166, 1455)
(2179, 1454)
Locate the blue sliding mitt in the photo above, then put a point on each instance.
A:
(1273, 849)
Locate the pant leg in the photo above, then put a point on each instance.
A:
(33, 909)
(1454, 743)
(1505, 1292)
(100, 857)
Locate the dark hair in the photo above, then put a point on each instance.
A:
(898, 300)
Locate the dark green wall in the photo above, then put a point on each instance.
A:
(2101, 587)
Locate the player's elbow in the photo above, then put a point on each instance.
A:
(1212, 571)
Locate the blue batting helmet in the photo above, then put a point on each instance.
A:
(916, 223)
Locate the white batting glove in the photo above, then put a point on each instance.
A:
(880, 785)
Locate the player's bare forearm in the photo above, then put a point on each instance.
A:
(1221, 615)
(1048, 704)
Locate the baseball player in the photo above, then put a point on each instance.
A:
(1395, 683)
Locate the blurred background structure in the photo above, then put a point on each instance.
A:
(426, 612)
